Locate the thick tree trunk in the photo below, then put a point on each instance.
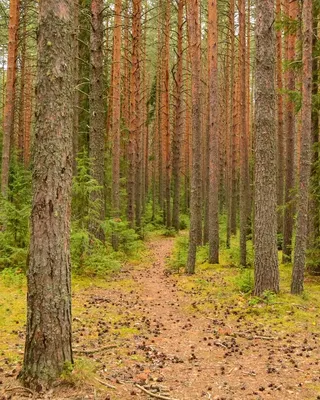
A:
(10, 94)
(97, 122)
(195, 206)
(305, 156)
(213, 133)
(290, 145)
(265, 229)
(48, 342)
(178, 131)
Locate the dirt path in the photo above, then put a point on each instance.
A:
(194, 357)
(178, 354)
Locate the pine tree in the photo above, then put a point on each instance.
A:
(48, 341)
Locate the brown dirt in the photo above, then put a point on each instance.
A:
(180, 354)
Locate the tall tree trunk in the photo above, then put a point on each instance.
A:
(116, 104)
(280, 123)
(213, 133)
(195, 206)
(23, 56)
(27, 114)
(290, 144)
(232, 209)
(76, 97)
(305, 156)
(244, 171)
(265, 228)
(136, 119)
(10, 94)
(97, 132)
(48, 341)
(178, 131)
(166, 122)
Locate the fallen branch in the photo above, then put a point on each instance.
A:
(92, 351)
(20, 388)
(157, 396)
(105, 384)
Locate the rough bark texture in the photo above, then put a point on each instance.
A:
(213, 133)
(290, 145)
(195, 206)
(48, 340)
(305, 155)
(265, 229)
(97, 131)
(178, 131)
(76, 82)
(10, 94)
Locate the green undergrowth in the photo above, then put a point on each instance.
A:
(228, 288)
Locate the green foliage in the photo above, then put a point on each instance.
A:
(178, 259)
(169, 232)
(129, 241)
(14, 219)
(184, 222)
(84, 208)
(12, 277)
(91, 257)
(245, 281)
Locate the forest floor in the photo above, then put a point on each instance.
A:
(179, 337)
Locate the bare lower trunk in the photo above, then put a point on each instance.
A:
(48, 342)
(265, 229)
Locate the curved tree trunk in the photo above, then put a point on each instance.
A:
(48, 341)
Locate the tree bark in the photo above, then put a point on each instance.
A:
(97, 122)
(265, 229)
(290, 145)
(213, 133)
(116, 104)
(305, 155)
(48, 341)
(10, 94)
(193, 13)
(280, 123)
(244, 164)
(178, 132)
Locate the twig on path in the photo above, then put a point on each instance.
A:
(157, 396)
(105, 384)
(217, 343)
(92, 351)
(20, 388)
(251, 337)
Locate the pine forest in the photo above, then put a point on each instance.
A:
(160, 199)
